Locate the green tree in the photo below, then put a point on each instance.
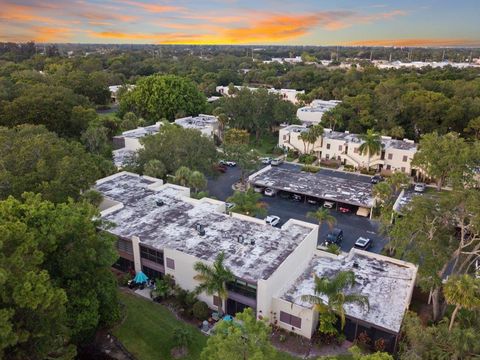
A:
(248, 203)
(359, 355)
(96, 140)
(446, 158)
(197, 181)
(155, 168)
(334, 290)
(57, 287)
(322, 215)
(241, 339)
(34, 159)
(163, 96)
(182, 176)
(182, 337)
(473, 127)
(463, 291)
(175, 146)
(213, 279)
(371, 145)
(129, 121)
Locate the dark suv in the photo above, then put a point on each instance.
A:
(335, 236)
(376, 179)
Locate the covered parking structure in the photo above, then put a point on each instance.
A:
(318, 186)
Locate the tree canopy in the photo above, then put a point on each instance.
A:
(34, 159)
(56, 283)
(164, 96)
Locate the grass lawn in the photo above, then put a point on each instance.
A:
(148, 328)
(147, 332)
(265, 144)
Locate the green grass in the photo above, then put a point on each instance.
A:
(265, 144)
(147, 330)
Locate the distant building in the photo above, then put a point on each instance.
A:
(381, 64)
(286, 94)
(206, 124)
(114, 89)
(396, 155)
(290, 60)
(313, 113)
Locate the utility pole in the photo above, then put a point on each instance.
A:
(390, 58)
(371, 55)
(443, 55)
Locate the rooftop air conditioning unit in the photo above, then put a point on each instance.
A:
(159, 202)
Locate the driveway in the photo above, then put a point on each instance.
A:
(353, 226)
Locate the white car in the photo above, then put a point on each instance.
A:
(419, 187)
(272, 220)
(258, 189)
(230, 163)
(229, 206)
(276, 162)
(328, 204)
(269, 192)
(266, 160)
(363, 243)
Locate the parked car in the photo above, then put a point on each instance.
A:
(363, 243)
(258, 189)
(296, 197)
(228, 163)
(276, 162)
(272, 220)
(376, 179)
(419, 187)
(266, 160)
(335, 236)
(312, 201)
(221, 168)
(229, 206)
(344, 209)
(269, 192)
(328, 204)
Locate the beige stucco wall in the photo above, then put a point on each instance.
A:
(308, 316)
(287, 272)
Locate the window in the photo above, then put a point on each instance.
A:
(243, 288)
(390, 156)
(151, 254)
(217, 301)
(388, 167)
(125, 245)
(403, 169)
(339, 147)
(286, 318)
(151, 273)
(405, 158)
(328, 146)
(124, 265)
(355, 150)
(170, 263)
(285, 137)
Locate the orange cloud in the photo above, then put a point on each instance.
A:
(416, 42)
(154, 8)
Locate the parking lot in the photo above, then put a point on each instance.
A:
(353, 226)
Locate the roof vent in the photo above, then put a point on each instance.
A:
(240, 239)
(355, 265)
(159, 202)
(200, 229)
(252, 242)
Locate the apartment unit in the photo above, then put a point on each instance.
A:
(206, 124)
(161, 230)
(286, 94)
(114, 91)
(396, 155)
(313, 113)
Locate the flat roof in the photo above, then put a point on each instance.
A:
(197, 122)
(120, 156)
(316, 185)
(172, 226)
(141, 131)
(386, 282)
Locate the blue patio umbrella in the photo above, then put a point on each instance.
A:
(140, 278)
(228, 318)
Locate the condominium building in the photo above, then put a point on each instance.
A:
(206, 124)
(161, 230)
(285, 94)
(395, 155)
(313, 113)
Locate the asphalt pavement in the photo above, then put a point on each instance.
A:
(353, 226)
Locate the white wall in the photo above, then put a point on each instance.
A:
(309, 317)
(288, 271)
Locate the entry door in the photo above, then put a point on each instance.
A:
(234, 307)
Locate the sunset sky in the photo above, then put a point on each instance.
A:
(313, 22)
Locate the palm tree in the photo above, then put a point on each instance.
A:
(334, 291)
(248, 203)
(213, 279)
(463, 291)
(322, 215)
(182, 175)
(371, 145)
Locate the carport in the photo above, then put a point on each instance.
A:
(320, 186)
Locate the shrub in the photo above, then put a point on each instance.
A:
(282, 338)
(200, 310)
(277, 150)
(333, 248)
(307, 159)
(366, 171)
(181, 337)
(333, 164)
(349, 168)
(311, 168)
(292, 154)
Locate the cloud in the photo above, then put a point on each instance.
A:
(421, 42)
(149, 7)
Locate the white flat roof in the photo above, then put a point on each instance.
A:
(386, 282)
(172, 226)
(197, 122)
